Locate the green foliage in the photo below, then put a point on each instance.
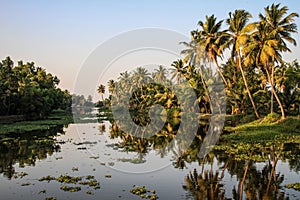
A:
(30, 91)
(271, 118)
(265, 133)
(88, 180)
(57, 118)
(143, 192)
(70, 189)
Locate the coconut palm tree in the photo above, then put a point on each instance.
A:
(101, 91)
(280, 25)
(193, 56)
(111, 86)
(160, 74)
(262, 50)
(238, 31)
(213, 41)
(178, 72)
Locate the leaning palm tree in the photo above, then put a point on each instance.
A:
(238, 31)
(262, 50)
(194, 54)
(213, 41)
(281, 26)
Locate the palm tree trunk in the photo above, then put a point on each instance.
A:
(246, 85)
(220, 71)
(206, 90)
(275, 94)
(224, 80)
(272, 96)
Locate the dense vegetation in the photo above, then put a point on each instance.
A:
(257, 79)
(29, 91)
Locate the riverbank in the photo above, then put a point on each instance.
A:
(257, 139)
(56, 118)
(263, 130)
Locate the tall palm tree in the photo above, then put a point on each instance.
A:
(193, 56)
(111, 86)
(141, 76)
(263, 50)
(280, 25)
(160, 74)
(213, 41)
(238, 31)
(178, 71)
(101, 91)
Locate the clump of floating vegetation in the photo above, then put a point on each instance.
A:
(143, 192)
(19, 174)
(295, 186)
(70, 189)
(68, 179)
(88, 180)
(50, 198)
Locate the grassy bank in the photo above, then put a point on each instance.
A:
(56, 118)
(263, 130)
(257, 139)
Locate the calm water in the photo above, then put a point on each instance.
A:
(98, 149)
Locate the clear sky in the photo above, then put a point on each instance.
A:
(60, 35)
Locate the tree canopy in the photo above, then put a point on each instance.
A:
(29, 90)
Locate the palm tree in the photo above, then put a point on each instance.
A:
(263, 50)
(101, 91)
(193, 55)
(238, 30)
(280, 26)
(160, 74)
(141, 76)
(213, 41)
(178, 71)
(111, 86)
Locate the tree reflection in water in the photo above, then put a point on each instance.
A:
(252, 181)
(26, 148)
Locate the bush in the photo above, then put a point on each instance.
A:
(271, 118)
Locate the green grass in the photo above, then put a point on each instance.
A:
(250, 140)
(56, 118)
(263, 131)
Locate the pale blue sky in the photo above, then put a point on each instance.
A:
(60, 35)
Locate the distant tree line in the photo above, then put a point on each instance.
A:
(81, 101)
(29, 90)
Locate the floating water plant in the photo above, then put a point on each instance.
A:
(88, 180)
(75, 169)
(50, 198)
(26, 184)
(107, 176)
(47, 178)
(89, 192)
(70, 189)
(144, 193)
(68, 179)
(295, 186)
